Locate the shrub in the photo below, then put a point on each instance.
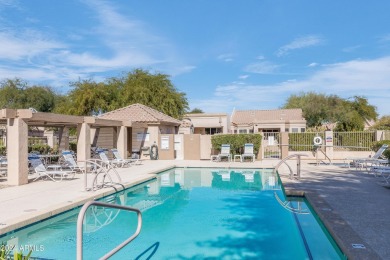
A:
(236, 142)
(41, 148)
(73, 146)
(378, 144)
(3, 150)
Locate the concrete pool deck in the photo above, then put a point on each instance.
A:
(352, 204)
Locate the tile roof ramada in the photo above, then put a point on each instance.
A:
(140, 114)
(255, 116)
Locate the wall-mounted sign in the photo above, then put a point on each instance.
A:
(164, 142)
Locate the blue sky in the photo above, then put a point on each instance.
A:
(223, 54)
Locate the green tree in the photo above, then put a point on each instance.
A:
(196, 111)
(317, 109)
(153, 90)
(87, 98)
(382, 124)
(17, 94)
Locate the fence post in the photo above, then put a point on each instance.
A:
(329, 144)
(284, 144)
(379, 135)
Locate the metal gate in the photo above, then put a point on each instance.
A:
(271, 145)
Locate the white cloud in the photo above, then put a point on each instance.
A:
(227, 57)
(351, 48)
(264, 67)
(369, 78)
(313, 64)
(127, 43)
(299, 43)
(260, 57)
(243, 76)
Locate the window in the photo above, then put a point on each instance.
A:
(287, 130)
(212, 131)
(242, 131)
(251, 131)
(303, 130)
(295, 130)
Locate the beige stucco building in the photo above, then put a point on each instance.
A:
(147, 124)
(268, 121)
(205, 124)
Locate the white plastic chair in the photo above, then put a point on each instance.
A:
(248, 152)
(42, 171)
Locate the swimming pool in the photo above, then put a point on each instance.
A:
(190, 213)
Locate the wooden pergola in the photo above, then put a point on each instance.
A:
(17, 122)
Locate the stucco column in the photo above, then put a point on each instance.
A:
(17, 151)
(154, 134)
(121, 141)
(284, 144)
(329, 144)
(83, 142)
(49, 134)
(63, 138)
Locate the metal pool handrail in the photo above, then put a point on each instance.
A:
(286, 205)
(298, 164)
(80, 221)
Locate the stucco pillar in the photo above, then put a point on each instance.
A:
(49, 134)
(154, 134)
(121, 141)
(284, 142)
(329, 144)
(83, 142)
(17, 151)
(63, 138)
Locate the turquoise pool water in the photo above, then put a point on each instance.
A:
(190, 213)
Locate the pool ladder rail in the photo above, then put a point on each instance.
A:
(298, 156)
(80, 221)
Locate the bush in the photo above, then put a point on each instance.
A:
(73, 146)
(236, 142)
(378, 144)
(41, 148)
(3, 150)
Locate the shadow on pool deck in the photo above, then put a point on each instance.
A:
(352, 204)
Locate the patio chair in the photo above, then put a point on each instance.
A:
(383, 171)
(70, 162)
(3, 166)
(375, 159)
(51, 171)
(248, 152)
(113, 163)
(118, 157)
(225, 152)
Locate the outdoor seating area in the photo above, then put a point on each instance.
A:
(226, 154)
(366, 163)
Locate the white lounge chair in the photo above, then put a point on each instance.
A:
(113, 163)
(70, 161)
(383, 171)
(118, 157)
(225, 152)
(43, 171)
(3, 166)
(248, 152)
(374, 160)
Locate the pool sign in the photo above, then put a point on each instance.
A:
(329, 139)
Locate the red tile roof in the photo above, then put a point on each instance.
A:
(257, 116)
(140, 114)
